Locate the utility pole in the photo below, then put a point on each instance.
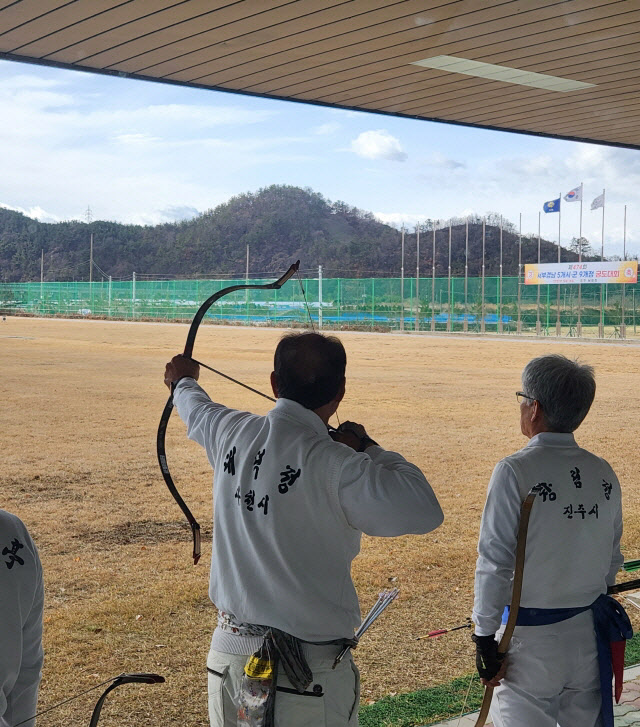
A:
(482, 313)
(433, 280)
(538, 328)
(417, 323)
(623, 328)
(402, 283)
(449, 316)
(465, 325)
(320, 297)
(602, 285)
(89, 217)
(246, 292)
(558, 319)
(519, 329)
(499, 301)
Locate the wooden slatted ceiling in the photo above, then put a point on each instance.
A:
(360, 54)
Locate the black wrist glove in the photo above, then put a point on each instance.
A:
(488, 660)
(365, 442)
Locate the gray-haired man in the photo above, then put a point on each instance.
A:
(573, 553)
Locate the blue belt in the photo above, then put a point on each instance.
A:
(611, 624)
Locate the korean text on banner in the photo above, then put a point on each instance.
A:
(567, 273)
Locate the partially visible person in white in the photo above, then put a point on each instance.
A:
(21, 605)
(572, 555)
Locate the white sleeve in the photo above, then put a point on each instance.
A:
(617, 559)
(383, 494)
(21, 606)
(201, 415)
(24, 696)
(496, 550)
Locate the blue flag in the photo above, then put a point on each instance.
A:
(552, 206)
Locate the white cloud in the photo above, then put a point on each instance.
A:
(36, 213)
(397, 219)
(136, 139)
(132, 160)
(379, 144)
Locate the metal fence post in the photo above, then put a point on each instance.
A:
(320, 297)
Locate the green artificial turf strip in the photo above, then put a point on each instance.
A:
(444, 701)
(424, 706)
(632, 652)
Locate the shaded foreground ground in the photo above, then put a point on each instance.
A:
(81, 402)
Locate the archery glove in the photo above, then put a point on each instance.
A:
(488, 660)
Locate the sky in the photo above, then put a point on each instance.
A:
(145, 153)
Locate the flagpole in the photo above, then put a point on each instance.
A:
(416, 325)
(558, 324)
(433, 280)
(601, 324)
(624, 285)
(579, 327)
(465, 325)
(482, 322)
(519, 276)
(500, 284)
(538, 297)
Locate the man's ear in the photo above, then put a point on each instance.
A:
(341, 390)
(274, 386)
(536, 413)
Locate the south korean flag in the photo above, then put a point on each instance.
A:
(575, 195)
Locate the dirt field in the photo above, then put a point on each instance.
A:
(81, 402)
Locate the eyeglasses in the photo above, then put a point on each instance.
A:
(520, 396)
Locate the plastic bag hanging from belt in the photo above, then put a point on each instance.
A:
(257, 688)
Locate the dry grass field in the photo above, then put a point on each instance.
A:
(81, 402)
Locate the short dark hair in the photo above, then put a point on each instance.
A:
(309, 368)
(565, 390)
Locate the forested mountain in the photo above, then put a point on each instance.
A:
(279, 223)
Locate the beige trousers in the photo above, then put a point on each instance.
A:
(552, 677)
(331, 700)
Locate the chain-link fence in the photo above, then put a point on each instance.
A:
(475, 305)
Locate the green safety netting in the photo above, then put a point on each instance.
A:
(441, 304)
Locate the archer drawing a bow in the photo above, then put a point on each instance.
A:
(166, 414)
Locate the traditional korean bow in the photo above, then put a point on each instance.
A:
(633, 585)
(503, 646)
(166, 414)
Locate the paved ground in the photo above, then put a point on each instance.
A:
(627, 713)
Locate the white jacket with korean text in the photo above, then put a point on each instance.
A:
(290, 506)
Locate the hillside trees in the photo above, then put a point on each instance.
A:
(279, 223)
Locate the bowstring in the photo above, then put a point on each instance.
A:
(235, 381)
(69, 699)
(304, 297)
(313, 328)
(466, 699)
